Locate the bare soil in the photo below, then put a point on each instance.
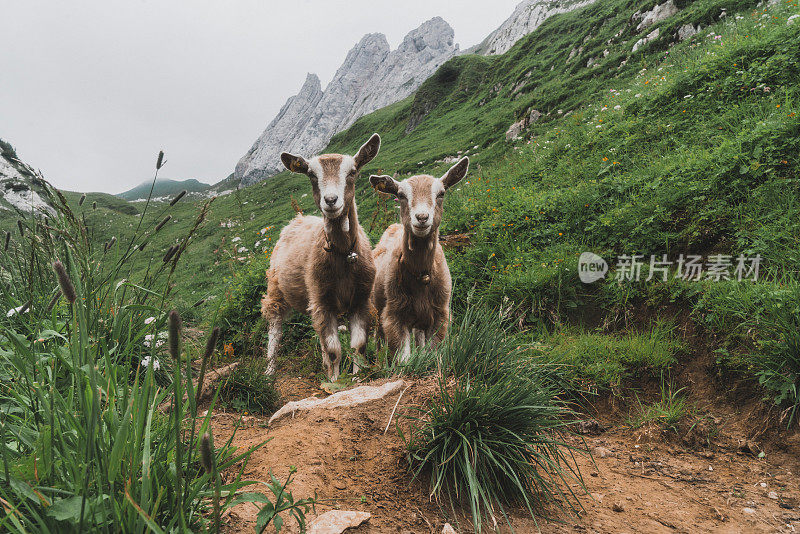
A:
(706, 477)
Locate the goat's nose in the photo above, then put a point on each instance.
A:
(422, 217)
(330, 200)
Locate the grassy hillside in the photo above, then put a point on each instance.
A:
(163, 188)
(679, 148)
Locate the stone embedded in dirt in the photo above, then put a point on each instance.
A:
(590, 426)
(773, 495)
(341, 399)
(749, 447)
(603, 452)
(618, 507)
(448, 529)
(749, 511)
(337, 521)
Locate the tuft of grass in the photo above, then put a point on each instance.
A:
(667, 412)
(494, 436)
(249, 389)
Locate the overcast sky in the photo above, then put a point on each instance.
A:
(91, 90)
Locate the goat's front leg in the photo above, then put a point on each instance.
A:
(327, 328)
(274, 310)
(419, 337)
(274, 334)
(398, 337)
(359, 321)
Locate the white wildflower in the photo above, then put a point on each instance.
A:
(13, 311)
(146, 363)
(149, 320)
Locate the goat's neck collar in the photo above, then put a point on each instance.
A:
(341, 233)
(417, 254)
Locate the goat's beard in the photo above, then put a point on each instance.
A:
(421, 231)
(342, 219)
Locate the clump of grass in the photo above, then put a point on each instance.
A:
(494, 436)
(667, 412)
(249, 389)
(780, 366)
(600, 362)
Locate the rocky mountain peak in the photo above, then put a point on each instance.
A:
(372, 76)
(527, 16)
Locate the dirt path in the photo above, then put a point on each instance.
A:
(637, 482)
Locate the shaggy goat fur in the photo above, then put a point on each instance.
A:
(412, 282)
(323, 265)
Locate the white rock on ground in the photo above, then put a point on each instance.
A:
(342, 399)
(652, 36)
(448, 529)
(337, 521)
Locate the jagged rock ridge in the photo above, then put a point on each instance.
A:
(371, 77)
(527, 16)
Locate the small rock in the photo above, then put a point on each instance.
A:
(448, 529)
(748, 511)
(514, 130)
(337, 521)
(590, 426)
(749, 447)
(763, 484)
(772, 495)
(603, 452)
(618, 507)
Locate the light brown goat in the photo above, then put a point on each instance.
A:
(323, 266)
(412, 281)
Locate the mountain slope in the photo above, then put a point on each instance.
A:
(163, 188)
(527, 16)
(370, 78)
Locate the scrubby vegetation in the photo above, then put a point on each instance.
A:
(100, 428)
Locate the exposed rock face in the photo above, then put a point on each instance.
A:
(371, 77)
(528, 15)
(515, 129)
(19, 185)
(652, 36)
(686, 31)
(655, 15)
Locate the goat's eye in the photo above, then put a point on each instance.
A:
(401, 196)
(440, 195)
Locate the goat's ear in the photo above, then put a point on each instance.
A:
(294, 163)
(456, 173)
(368, 151)
(384, 184)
